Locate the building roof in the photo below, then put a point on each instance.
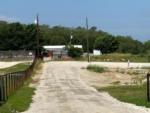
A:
(54, 47)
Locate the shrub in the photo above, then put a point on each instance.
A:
(75, 52)
(96, 68)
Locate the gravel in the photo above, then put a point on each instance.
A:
(61, 90)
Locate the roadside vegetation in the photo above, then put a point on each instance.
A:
(23, 37)
(15, 68)
(131, 88)
(135, 94)
(21, 99)
(96, 68)
(75, 52)
(118, 57)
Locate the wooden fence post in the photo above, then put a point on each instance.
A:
(12, 81)
(148, 87)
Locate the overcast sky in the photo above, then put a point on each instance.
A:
(118, 17)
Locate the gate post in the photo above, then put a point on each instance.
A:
(148, 87)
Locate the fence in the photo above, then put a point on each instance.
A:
(16, 55)
(148, 87)
(12, 81)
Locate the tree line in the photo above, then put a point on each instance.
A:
(17, 36)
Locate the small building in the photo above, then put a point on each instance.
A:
(58, 51)
(97, 52)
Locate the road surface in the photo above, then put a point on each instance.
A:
(61, 90)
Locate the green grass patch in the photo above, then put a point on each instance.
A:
(15, 68)
(130, 94)
(96, 68)
(19, 101)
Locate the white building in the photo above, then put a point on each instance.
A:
(58, 51)
(97, 52)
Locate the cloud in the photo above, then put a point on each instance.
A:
(8, 19)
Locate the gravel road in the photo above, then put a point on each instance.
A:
(61, 90)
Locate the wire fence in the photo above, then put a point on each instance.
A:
(9, 83)
(16, 55)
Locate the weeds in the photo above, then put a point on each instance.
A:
(96, 68)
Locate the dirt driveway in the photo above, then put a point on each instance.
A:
(61, 90)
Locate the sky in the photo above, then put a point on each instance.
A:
(118, 17)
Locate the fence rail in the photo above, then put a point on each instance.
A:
(12, 81)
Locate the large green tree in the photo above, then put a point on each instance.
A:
(107, 44)
(147, 46)
(129, 45)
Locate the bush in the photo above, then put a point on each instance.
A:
(96, 68)
(75, 52)
(106, 44)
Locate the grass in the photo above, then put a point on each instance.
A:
(116, 83)
(96, 68)
(117, 57)
(145, 67)
(130, 94)
(15, 68)
(132, 71)
(21, 99)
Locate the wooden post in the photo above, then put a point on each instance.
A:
(148, 87)
(1, 91)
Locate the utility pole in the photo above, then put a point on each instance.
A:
(37, 35)
(87, 27)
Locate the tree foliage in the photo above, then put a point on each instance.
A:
(107, 44)
(75, 52)
(17, 36)
(147, 46)
(129, 45)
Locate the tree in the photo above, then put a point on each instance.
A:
(16, 36)
(107, 44)
(75, 52)
(147, 46)
(129, 45)
(30, 42)
(3, 36)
